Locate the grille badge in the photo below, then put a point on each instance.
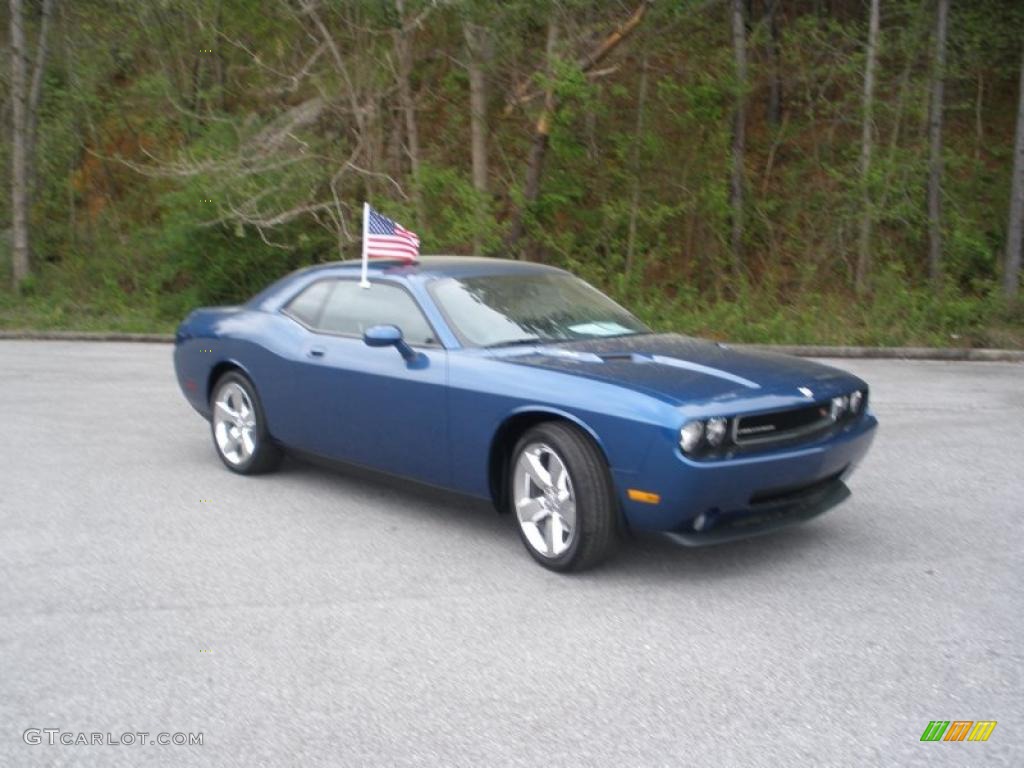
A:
(757, 430)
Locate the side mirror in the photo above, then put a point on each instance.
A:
(388, 336)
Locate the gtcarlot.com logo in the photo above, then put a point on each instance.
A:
(125, 739)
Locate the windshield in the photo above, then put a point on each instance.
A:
(498, 310)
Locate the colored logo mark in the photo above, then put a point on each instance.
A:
(958, 730)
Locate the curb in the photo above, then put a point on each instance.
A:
(165, 338)
(893, 353)
(867, 353)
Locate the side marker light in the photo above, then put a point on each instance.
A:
(644, 497)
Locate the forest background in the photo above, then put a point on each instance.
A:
(794, 171)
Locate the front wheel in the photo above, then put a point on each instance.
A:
(563, 499)
(240, 427)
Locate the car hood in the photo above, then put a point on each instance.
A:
(680, 369)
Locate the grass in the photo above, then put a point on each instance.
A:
(91, 295)
(832, 320)
(895, 314)
(41, 314)
(755, 317)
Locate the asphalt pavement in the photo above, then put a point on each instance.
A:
(322, 617)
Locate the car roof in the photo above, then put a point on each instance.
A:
(430, 267)
(423, 270)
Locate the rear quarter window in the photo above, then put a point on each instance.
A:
(350, 310)
(308, 306)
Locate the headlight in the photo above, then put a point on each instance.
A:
(715, 431)
(690, 434)
(839, 405)
(856, 401)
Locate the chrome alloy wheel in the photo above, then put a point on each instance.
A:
(544, 500)
(234, 423)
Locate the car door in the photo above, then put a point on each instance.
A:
(369, 405)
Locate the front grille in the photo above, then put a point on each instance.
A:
(781, 425)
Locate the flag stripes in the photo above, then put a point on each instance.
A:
(387, 239)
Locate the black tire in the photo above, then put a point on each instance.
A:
(595, 536)
(266, 454)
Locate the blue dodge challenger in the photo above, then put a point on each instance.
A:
(522, 384)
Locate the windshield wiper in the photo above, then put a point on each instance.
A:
(514, 342)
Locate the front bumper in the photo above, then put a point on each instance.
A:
(706, 502)
(767, 518)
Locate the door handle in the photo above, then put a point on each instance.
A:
(316, 351)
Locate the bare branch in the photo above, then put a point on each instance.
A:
(521, 93)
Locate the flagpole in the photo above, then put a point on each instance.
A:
(364, 283)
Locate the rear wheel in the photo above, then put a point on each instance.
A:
(562, 496)
(240, 428)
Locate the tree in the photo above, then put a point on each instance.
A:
(867, 143)
(638, 133)
(477, 44)
(403, 52)
(935, 144)
(542, 128)
(19, 178)
(771, 17)
(25, 96)
(1015, 228)
(541, 137)
(739, 131)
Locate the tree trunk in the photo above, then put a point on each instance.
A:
(898, 111)
(979, 127)
(35, 92)
(403, 52)
(1015, 228)
(775, 56)
(476, 47)
(539, 146)
(634, 208)
(935, 141)
(19, 151)
(739, 138)
(866, 147)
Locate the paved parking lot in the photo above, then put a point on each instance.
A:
(317, 617)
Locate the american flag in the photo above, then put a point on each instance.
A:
(387, 239)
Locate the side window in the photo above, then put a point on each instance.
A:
(307, 306)
(351, 310)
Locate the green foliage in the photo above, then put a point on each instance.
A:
(458, 215)
(191, 153)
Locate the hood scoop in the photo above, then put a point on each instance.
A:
(570, 354)
(628, 357)
(594, 357)
(707, 370)
(648, 359)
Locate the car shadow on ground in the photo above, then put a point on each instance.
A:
(641, 555)
(400, 496)
(650, 555)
